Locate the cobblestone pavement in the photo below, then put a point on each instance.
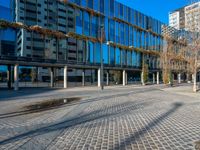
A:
(150, 117)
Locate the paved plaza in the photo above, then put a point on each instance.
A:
(131, 117)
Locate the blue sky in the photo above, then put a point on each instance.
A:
(158, 9)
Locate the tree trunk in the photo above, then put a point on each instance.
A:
(195, 82)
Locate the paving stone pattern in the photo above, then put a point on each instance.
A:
(154, 119)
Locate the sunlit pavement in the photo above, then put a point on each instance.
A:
(132, 117)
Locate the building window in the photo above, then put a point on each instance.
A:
(97, 53)
(80, 50)
(134, 58)
(90, 52)
(90, 4)
(96, 5)
(111, 8)
(94, 26)
(105, 53)
(118, 56)
(124, 55)
(84, 3)
(116, 9)
(86, 23)
(78, 2)
(102, 6)
(112, 55)
(126, 37)
(117, 32)
(121, 33)
(131, 36)
(129, 58)
(111, 30)
(121, 12)
(79, 22)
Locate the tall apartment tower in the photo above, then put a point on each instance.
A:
(49, 14)
(187, 17)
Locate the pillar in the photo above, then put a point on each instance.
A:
(179, 78)
(124, 77)
(16, 77)
(188, 78)
(65, 77)
(158, 78)
(107, 78)
(154, 81)
(195, 82)
(9, 76)
(142, 78)
(83, 78)
(99, 77)
(193, 78)
(52, 77)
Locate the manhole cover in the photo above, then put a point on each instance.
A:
(197, 145)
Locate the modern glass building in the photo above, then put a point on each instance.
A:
(129, 37)
(7, 37)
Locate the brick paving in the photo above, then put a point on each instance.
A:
(118, 118)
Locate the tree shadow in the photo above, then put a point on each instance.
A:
(135, 136)
(114, 110)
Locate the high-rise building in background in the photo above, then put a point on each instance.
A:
(187, 17)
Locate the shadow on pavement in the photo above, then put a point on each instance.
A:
(135, 136)
(8, 94)
(26, 112)
(114, 111)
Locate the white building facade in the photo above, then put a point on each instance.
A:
(187, 17)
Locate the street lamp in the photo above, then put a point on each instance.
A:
(101, 73)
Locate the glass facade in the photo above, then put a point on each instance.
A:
(8, 36)
(128, 34)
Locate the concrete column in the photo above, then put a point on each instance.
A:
(193, 78)
(83, 78)
(99, 77)
(179, 78)
(9, 76)
(52, 77)
(107, 78)
(142, 78)
(158, 78)
(65, 77)
(195, 82)
(154, 80)
(16, 77)
(188, 78)
(124, 77)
